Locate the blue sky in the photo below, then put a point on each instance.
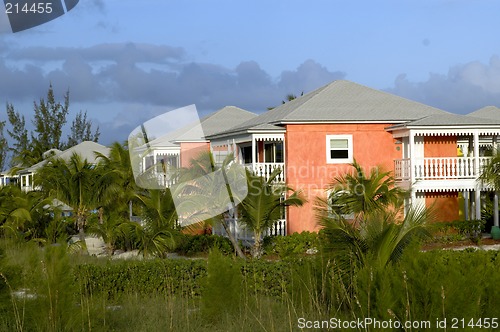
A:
(126, 61)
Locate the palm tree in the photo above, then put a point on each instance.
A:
(205, 194)
(263, 205)
(156, 234)
(116, 187)
(379, 240)
(490, 173)
(73, 182)
(110, 228)
(361, 195)
(25, 214)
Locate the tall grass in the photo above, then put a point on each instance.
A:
(238, 296)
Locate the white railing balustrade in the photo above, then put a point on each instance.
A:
(439, 168)
(240, 232)
(266, 169)
(402, 169)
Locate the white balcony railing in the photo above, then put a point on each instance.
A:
(265, 170)
(240, 232)
(439, 168)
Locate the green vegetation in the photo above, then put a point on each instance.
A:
(264, 205)
(52, 290)
(366, 261)
(49, 119)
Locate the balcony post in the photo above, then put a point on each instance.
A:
(466, 204)
(254, 153)
(477, 201)
(411, 141)
(476, 153)
(495, 209)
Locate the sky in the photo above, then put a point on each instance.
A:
(125, 61)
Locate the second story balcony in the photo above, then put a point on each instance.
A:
(445, 172)
(266, 169)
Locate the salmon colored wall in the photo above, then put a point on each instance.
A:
(445, 205)
(440, 146)
(260, 152)
(191, 151)
(307, 169)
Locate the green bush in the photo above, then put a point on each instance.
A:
(201, 244)
(221, 294)
(291, 245)
(170, 276)
(461, 229)
(421, 286)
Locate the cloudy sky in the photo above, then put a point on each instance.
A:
(126, 61)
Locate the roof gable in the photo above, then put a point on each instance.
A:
(488, 112)
(85, 149)
(218, 121)
(344, 101)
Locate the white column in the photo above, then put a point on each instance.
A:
(254, 154)
(411, 140)
(476, 153)
(477, 192)
(477, 201)
(495, 209)
(466, 204)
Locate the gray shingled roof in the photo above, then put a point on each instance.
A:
(488, 112)
(448, 120)
(218, 121)
(222, 120)
(343, 101)
(85, 149)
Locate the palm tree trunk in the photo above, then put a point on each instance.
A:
(224, 224)
(257, 246)
(235, 244)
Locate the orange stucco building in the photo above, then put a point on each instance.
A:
(314, 138)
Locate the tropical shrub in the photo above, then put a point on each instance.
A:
(291, 245)
(459, 230)
(221, 295)
(201, 244)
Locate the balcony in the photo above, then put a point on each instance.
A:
(442, 168)
(240, 232)
(266, 169)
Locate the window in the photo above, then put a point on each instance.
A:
(273, 152)
(246, 152)
(338, 149)
(336, 209)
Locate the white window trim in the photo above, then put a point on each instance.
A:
(348, 160)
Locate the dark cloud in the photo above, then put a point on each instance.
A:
(308, 76)
(130, 77)
(118, 52)
(465, 88)
(153, 74)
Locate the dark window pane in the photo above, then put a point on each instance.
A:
(339, 154)
(247, 154)
(268, 152)
(279, 152)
